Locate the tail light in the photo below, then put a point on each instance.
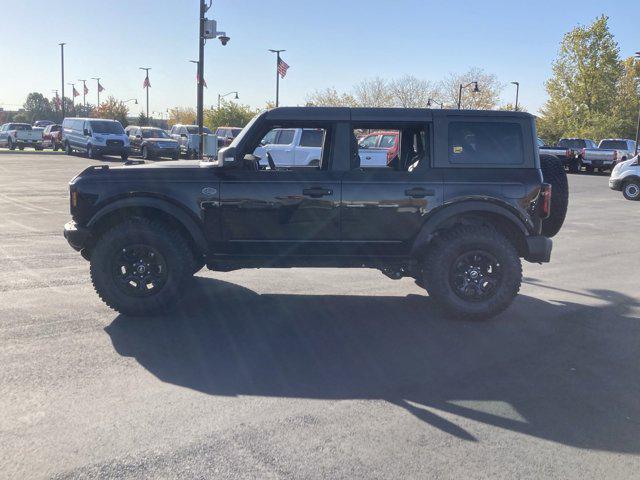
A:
(615, 155)
(545, 200)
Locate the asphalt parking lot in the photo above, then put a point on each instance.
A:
(308, 373)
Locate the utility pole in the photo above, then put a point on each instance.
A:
(475, 90)
(97, 79)
(146, 85)
(277, 52)
(84, 93)
(62, 63)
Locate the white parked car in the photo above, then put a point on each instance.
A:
(303, 147)
(20, 135)
(625, 177)
(292, 146)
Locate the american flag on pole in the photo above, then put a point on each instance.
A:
(204, 82)
(282, 67)
(147, 83)
(86, 90)
(100, 87)
(57, 100)
(76, 93)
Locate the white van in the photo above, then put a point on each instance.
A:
(625, 177)
(95, 137)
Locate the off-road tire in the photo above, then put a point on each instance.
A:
(444, 253)
(140, 231)
(631, 190)
(553, 173)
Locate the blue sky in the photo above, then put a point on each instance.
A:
(330, 43)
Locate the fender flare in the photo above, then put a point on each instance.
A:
(164, 206)
(449, 211)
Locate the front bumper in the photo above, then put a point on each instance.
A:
(164, 152)
(615, 184)
(76, 235)
(112, 150)
(538, 249)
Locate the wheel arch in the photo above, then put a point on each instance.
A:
(474, 213)
(152, 208)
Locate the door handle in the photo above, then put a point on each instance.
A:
(317, 192)
(419, 192)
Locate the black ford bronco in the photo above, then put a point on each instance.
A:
(465, 198)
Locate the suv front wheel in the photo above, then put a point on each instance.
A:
(140, 266)
(472, 272)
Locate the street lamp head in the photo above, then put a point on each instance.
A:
(515, 83)
(475, 87)
(236, 97)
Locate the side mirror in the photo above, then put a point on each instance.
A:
(86, 132)
(183, 135)
(138, 136)
(250, 157)
(362, 145)
(226, 155)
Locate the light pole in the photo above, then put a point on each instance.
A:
(431, 101)
(475, 90)
(638, 126)
(98, 88)
(220, 97)
(277, 52)
(84, 92)
(208, 30)
(517, 84)
(146, 85)
(62, 70)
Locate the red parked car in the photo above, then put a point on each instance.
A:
(52, 137)
(383, 139)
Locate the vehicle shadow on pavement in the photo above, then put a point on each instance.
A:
(565, 372)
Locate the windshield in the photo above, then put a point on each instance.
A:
(572, 143)
(194, 130)
(107, 127)
(154, 133)
(613, 144)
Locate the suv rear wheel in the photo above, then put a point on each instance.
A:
(473, 272)
(553, 173)
(140, 266)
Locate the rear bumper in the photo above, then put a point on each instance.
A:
(76, 235)
(538, 249)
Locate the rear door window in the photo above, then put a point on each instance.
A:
(485, 143)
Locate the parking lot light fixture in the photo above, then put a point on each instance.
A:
(431, 101)
(475, 90)
(134, 100)
(517, 84)
(220, 97)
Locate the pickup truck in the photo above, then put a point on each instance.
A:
(52, 137)
(20, 135)
(470, 199)
(188, 138)
(609, 152)
(569, 151)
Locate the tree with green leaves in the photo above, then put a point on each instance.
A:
(627, 103)
(229, 114)
(112, 109)
(584, 86)
(38, 107)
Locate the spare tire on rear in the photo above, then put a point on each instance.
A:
(553, 173)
